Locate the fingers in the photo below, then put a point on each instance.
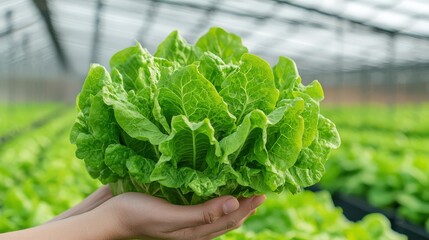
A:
(202, 214)
(231, 221)
(217, 234)
(227, 222)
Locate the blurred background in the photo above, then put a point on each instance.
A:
(361, 50)
(372, 58)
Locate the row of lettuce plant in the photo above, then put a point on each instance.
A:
(386, 163)
(40, 175)
(18, 116)
(307, 216)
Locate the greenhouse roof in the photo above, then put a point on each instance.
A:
(321, 36)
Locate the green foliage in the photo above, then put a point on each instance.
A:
(384, 158)
(194, 122)
(307, 216)
(17, 117)
(40, 177)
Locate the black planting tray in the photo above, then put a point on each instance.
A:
(355, 208)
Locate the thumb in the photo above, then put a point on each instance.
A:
(205, 213)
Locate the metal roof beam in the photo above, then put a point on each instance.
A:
(381, 6)
(204, 20)
(96, 37)
(43, 8)
(360, 23)
(149, 20)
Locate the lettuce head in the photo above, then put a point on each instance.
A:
(193, 122)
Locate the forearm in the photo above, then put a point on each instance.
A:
(94, 225)
(94, 200)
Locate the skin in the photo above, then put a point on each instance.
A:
(137, 215)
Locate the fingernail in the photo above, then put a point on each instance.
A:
(230, 205)
(258, 200)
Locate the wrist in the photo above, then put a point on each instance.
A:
(117, 211)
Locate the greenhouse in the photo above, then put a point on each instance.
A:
(234, 120)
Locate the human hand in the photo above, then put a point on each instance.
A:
(137, 215)
(148, 217)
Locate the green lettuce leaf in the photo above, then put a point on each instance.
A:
(250, 87)
(226, 45)
(285, 75)
(187, 92)
(175, 49)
